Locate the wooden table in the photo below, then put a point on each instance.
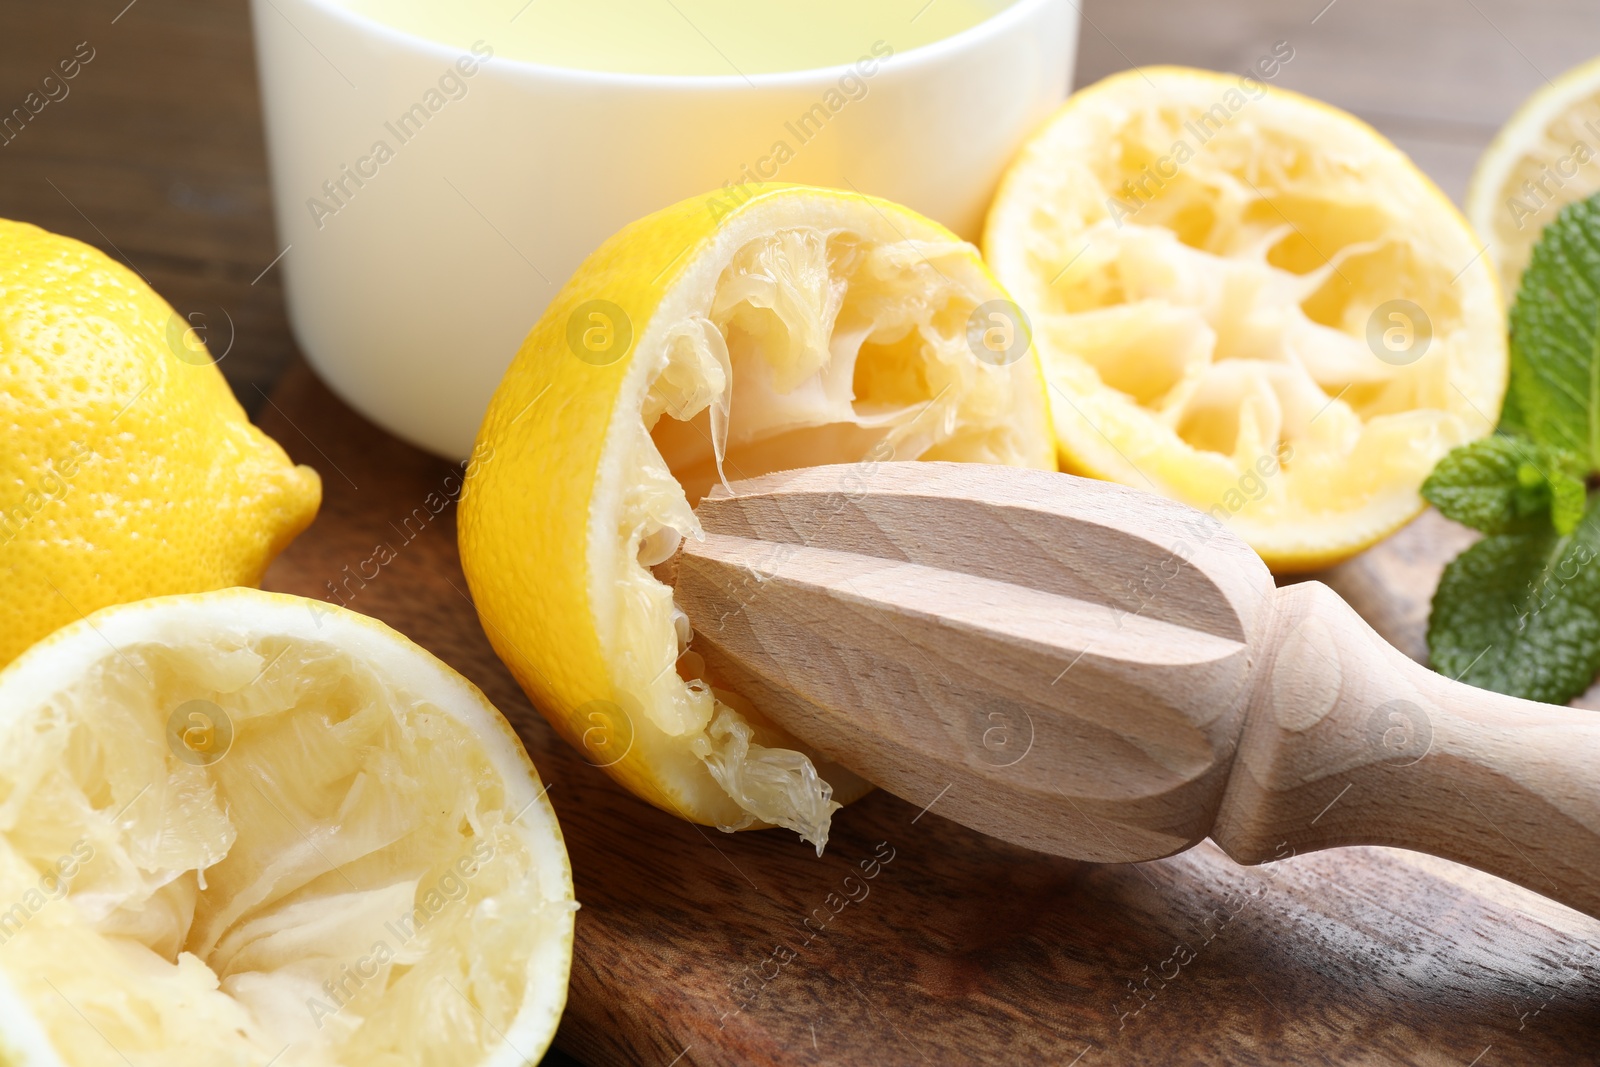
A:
(962, 949)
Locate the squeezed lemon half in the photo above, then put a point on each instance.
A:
(1546, 156)
(805, 326)
(239, 828)
(1251, 302)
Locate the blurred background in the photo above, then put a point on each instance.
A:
(156, 155)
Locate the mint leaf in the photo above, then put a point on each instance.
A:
(1511, 420)
(1503, 484)
(1555, 336)
(1568, 499)
(1519, 613)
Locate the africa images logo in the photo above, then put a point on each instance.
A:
(341, 189)
(851, 87)
(1140, 190)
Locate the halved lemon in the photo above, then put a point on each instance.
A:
(719, 340)
(241, 827)
(1251, 302)
(1546, 156)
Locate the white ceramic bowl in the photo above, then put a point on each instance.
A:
(414, 270)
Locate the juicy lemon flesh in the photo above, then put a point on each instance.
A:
(343, 887)
(1548, 156)
(818, 346)
(1203, 316)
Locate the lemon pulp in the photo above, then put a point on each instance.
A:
(1546, 156)
(818, 347)
(804, 326)
(350, 878)
(1250, 302)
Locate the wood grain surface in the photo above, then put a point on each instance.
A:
(959, 949)
(914, 940)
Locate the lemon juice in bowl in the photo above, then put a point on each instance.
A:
(684, 37)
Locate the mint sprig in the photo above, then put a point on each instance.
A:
(1519, 611)
(1555, 330)
(1505, 484)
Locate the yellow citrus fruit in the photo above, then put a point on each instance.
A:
(1251, 302)
(129, 469)
(240, 827)
(1545, 157)
(711, 342)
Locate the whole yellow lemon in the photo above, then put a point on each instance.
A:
(129, 470)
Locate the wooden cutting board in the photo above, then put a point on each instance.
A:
(914, 940)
